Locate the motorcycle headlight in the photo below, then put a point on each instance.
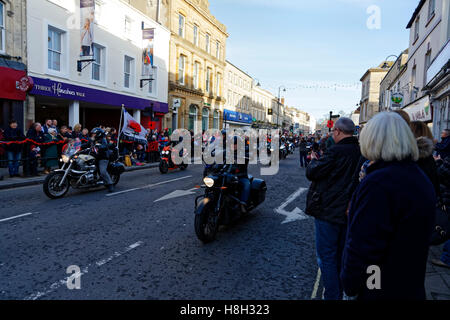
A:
(65, 158)
(272, 150)
(208, 182)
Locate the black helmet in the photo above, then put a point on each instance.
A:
(98, 133)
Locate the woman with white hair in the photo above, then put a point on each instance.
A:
(390, 218)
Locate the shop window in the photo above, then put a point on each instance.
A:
(153, 85)
(2, 27)
(128, 81)
(205, 119)
(216, 120)
(98, 64)
(54, 48)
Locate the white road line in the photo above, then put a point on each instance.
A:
(19, 216)
(144, 187)
(316, 284)
(99, 263)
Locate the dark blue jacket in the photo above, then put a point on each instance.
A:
(443, 148)
(390, 223)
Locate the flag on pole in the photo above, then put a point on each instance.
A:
(133, 130)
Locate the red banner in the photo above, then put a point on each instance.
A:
(12, 84)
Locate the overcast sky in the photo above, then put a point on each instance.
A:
(320, 43)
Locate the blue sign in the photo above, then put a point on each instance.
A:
(234, 116)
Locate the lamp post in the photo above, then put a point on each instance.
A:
(279, 101)
(385, 65)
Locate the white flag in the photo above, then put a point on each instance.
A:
(132, 130)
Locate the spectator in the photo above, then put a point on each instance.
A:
(329, 142)
(55, 125)
(48, 124)
(76, 131)
(84, 135)
(425, 144)
(303, 152)
(37, 136)
(391, 215)
(327, 201)
(443, 148)
(51, 151)
(64, 134)
(14, 150)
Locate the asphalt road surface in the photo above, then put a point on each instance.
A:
(139, 243)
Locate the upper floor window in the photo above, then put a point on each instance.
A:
(54, 49)
(427, 65)
(208, 80)
(128, 72)
(195, 35)
(196, 74)
(218, 50)
(218, 88)
(128, 26)
(2, 27)
(98, 64)
(416, 28)
(181, 69)
(153, 85)
(431, 8)
(181, 25)
(207, 45)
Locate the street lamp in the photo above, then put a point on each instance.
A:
(279, 101)
(385, 65)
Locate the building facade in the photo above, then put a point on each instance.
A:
(13, 59)
(196, 67)
(393, 85)
(265, 100)
(111, 79)
(370, 93)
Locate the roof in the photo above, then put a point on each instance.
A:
(416, 12)
(378, 69)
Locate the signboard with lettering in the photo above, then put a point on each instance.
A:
(420, 110)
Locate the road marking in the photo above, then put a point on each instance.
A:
(295, 214)
(316, 284)
(145, 187)
(19, 216)
(177, 193)
(99, 263)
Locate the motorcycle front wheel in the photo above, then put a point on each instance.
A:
(206, 224)
(51, 186)
(163, 167)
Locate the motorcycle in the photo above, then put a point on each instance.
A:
(220, 204)
(166, 163)
(79, 170)
(291, 147)
(283, 151)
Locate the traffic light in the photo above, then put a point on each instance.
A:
(269, 112)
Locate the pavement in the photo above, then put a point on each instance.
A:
(139, 243)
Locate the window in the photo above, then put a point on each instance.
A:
(128, 26)
(153, 85)
(181, 72)
(218, 92)
(427, 65)
(54, 49)
(128, 72)
(205, 119)
(431, 7)
(416, 29)
(181, 25)
(207, 39)
(192, 118)
(413, 83)
(216, 120)
(195, 35)
(208, 80)
(2, 27)
(97, 65)
(218, 50)
(196, 73)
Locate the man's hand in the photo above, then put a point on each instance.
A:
(437, 157)
(314, 155)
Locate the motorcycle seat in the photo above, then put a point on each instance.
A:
(250, 177)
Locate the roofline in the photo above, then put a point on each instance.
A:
(228, 61)
(416, 12)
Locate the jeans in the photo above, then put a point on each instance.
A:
(445, 257)
(303, 155)
(13, 162)
(103, 168)
(330, 241)
(245, 189)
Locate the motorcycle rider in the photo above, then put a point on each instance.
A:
(98, 136)
(241, 171)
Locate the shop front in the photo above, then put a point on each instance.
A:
(236, 120)
(14, 85)
(420, 110)
(72, 104)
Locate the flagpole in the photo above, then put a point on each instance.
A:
(120, 126)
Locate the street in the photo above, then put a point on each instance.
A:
(139, 242)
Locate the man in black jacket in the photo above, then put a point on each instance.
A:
(328, 197)
(443, 147)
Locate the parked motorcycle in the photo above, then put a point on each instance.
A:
(80, 171)
(220, 205)
(166, 163)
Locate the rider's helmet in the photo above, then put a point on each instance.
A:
(98, 133)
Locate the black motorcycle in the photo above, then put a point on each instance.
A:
(220, 205)
(80, 171)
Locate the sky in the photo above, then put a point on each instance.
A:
(310, 46)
